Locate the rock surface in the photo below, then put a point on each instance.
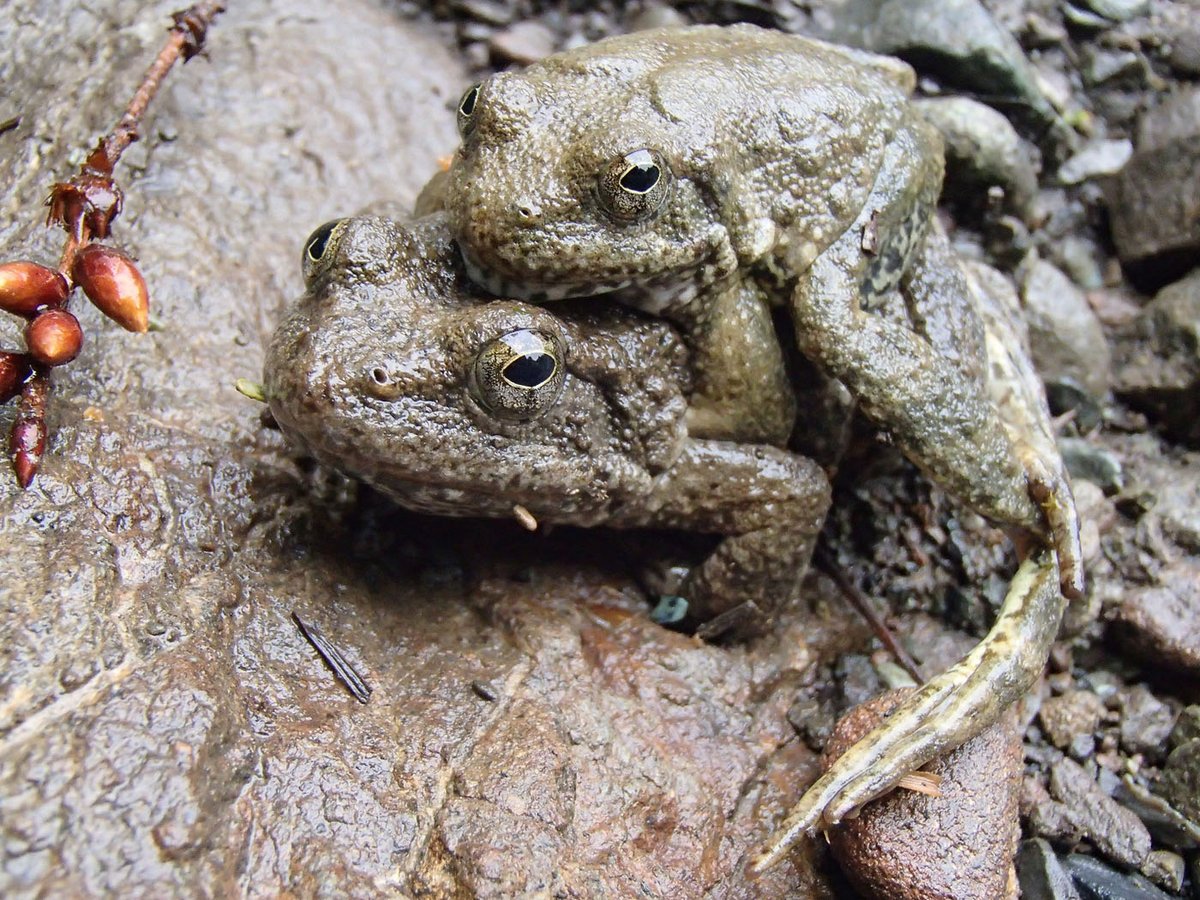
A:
(910, 846)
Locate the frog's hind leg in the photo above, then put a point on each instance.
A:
(952, 708)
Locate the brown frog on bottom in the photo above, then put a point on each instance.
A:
(394, 368)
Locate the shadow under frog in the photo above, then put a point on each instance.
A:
(395, 369)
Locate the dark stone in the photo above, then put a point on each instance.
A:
(1041, 875)
(1116, 832)
(1161, 623)
(1146, 722)
(1096, 881)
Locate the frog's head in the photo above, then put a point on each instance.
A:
(574, 179)
(393, 368)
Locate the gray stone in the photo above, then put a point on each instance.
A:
(1165, 869)
(1095, 159)
(1146, 722)
(1097, 881)
(982, 149)
(1179, 782)
(1071, 715)
(1041, 875)
(1184, 41)
(1114, 831)
(1154, 202)
(1101, 65)
(1119, 10)
(1187, 727)
(1165, 823)
(1157, 359)
(1065, 336)
(1161, 623)
(525, 42)
(1092, 462)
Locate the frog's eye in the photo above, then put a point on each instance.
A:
(519, 376)
(633, 187)
(466, 108)
(318, 249)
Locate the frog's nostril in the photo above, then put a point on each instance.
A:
(528, 215)
(380, 384)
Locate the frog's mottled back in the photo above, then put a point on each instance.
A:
(669, 157)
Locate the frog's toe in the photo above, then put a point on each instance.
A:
(1052, 492)
(950, 709)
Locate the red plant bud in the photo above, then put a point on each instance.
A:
(26, 443)
(14, 369)
(26, 287)
(112, 282)
(54, 337)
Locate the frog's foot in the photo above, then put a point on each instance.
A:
(950, 709)
(1052, 492)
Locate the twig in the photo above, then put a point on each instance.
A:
(864, 608)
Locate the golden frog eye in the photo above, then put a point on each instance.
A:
(518, 376)
(633, 187)
(318, 248)
(466, 108)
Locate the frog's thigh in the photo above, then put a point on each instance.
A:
(949, 710)
(939, 417)
(769, 503)
(741, 390)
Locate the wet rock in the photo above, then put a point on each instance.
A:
(524, 43)
(1101, 66)
(1069, 716)
(656, 15)
(1065, 336)
(1166, 869)
(908, 845)
(1041, 875)
(1165, 823)
(1179, 782)
(1095, 159)
(1092, 462)
(1187, 727)
(958, 41)
(982, 150)
(1154, 203)
(1146, 721)
(1118, 10)
(1184, 41)
(490, 12)
(1158, 360)
(1085, 812)
(1161, 623)
(1096, 881)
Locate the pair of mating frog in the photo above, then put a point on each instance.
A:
(718, 181)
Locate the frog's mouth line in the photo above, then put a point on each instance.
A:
(535, 292)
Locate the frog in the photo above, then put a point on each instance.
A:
(716, 175)
(397, 368)
(709, 174)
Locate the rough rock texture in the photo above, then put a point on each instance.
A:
(959, 845)
(164, 729)
(1162, 622)
(1158, 359)
(1155, 200)
(1069, 716)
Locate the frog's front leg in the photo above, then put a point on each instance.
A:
(950, 709)
(936, 404)
(768, 503)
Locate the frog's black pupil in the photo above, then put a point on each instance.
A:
(467, 106)
(316, 244)
(640, 179)
(531, 370)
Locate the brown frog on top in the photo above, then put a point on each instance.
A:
(394, 368)
(709, 175)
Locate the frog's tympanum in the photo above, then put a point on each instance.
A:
(711, 178)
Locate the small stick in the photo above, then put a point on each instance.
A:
(864, 608)
(337, 663)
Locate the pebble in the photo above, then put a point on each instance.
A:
(1165, 869)
(1161, 623)
(1097, 881)
(1187, 727)
(1154, 202)
(1041, 875)
(1119, 10)
(656, 15)
(906, 845)
(1101, 66)
(1158, 358)
(982, 149)
(1084, 811)
(1164, 822)
(1146, 722)
(524, 42)
(1184, 56)
(1179, 782)
(1092, 462)
(1073, 714)
(1065, 337)
(1096, 159)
